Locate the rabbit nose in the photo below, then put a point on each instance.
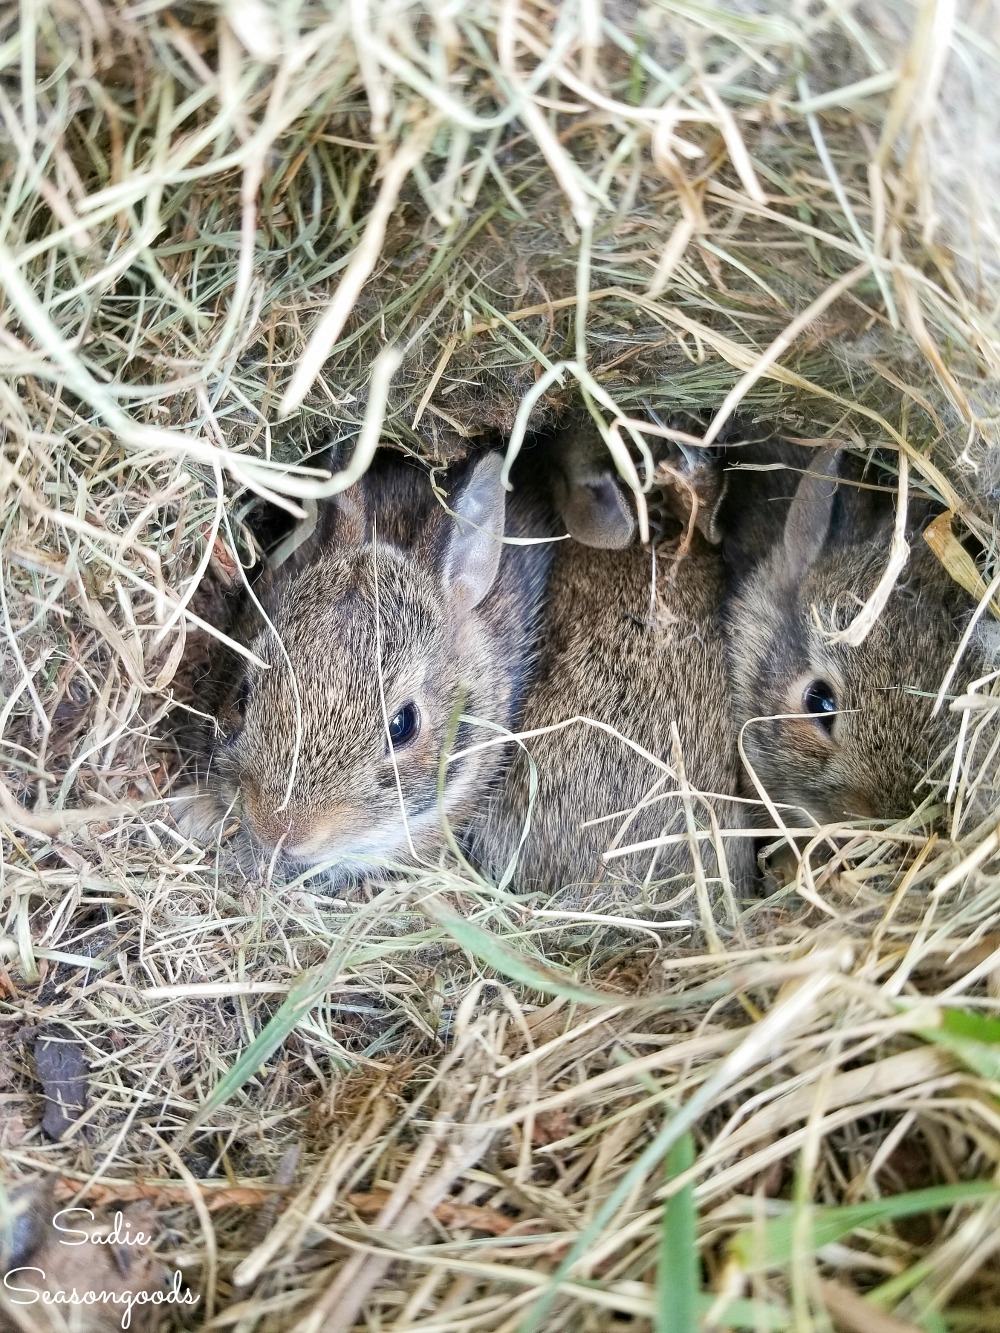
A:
(269, 825)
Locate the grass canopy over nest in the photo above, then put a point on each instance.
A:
(231, 232)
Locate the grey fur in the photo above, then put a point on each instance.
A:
(637, 653)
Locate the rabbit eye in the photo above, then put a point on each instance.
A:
(819, 698)
(404, 726)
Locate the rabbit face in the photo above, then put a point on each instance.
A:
(333, 753)
(841, 731)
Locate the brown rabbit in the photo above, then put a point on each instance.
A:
(633, 641)
(837, 731)
(405, 616)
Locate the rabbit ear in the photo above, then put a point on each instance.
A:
(339, 521)
(475, 540)
(810, 513)
(595, 510)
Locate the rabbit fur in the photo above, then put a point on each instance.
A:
(632, 642)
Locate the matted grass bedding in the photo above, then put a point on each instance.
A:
(231, 232)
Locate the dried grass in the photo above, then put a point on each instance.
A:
(447, 1107)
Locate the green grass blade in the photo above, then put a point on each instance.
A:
(299, 1001)
(678, 1270)
(759, 1247)
(488, 949)
(973, 1039)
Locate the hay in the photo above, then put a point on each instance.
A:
(445, 1107)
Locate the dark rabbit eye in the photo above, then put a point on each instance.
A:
(819, 698)
(404, 726)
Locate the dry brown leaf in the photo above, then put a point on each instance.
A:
(102, 1193)
(456, 1215)
(61, 1066)
(956, 560)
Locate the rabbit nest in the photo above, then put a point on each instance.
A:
(233, 231)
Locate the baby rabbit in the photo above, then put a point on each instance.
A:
(841, 732)
(633, 641)
(405, 616)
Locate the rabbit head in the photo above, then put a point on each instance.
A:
(841, 731)
(332, 753)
